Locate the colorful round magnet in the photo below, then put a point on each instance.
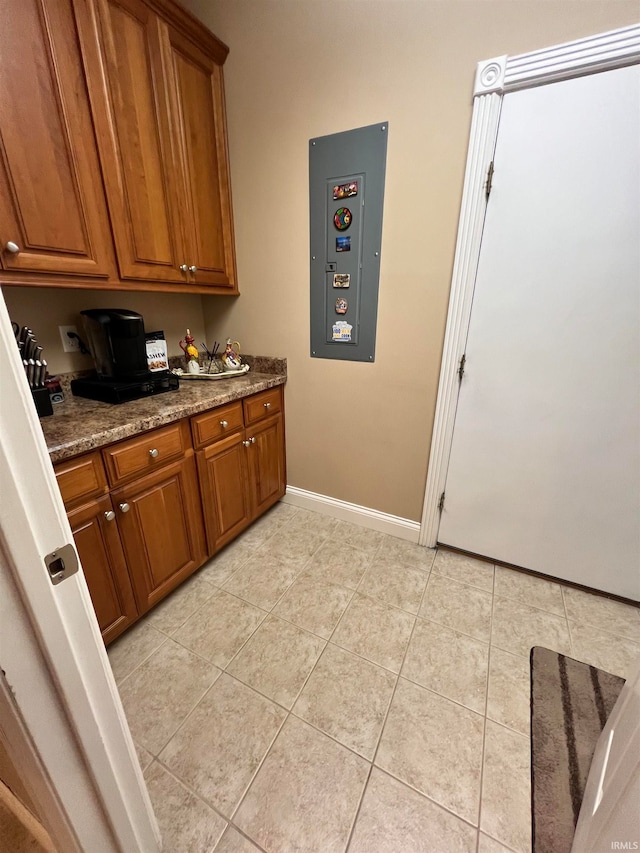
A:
(341, 305)
(342, 218)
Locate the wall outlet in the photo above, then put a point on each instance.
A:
(69, 344)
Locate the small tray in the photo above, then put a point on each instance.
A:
(225, 374)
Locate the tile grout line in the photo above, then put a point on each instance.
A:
(288, 714)
(215, 591)
(209, 688)
(267, 614)
(384, 722)
(143, 661)
(486, 703)
(566, 616)
(209, 805)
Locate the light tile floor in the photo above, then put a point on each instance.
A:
(322, 687)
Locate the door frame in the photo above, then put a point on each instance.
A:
(61, 717)
(495, 78)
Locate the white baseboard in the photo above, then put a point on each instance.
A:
(403, 528)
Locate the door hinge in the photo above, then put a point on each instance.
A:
(441, 503)
(463, 361)
(489, 181)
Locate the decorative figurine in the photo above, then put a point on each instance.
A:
(230, 356)
(190, 353)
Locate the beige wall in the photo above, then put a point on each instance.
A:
(44, 309)
(304, 68)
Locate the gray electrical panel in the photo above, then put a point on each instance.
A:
(346, 196)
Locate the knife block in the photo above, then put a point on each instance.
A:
(43, 402)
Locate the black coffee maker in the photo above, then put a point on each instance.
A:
(117, 342)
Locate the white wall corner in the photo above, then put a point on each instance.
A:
(490, 76)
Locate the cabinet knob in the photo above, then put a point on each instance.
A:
(246, 443)
(12, 247)
(252, 439)
(267, 405)
(110, 515)
(125, 507)
(183, 267)
(153, 453)
(193, 268)
(224, 424)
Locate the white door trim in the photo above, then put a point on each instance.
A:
(494, 78)
(51, 652)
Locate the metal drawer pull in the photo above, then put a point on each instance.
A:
(224, 424)
(12, 247)
(153, 453)
(193, 269)
(252, 440)
(267, 405)
(125, 507)
(246, 443)
(110, 515)
(183, 267)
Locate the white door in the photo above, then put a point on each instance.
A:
(544, 470)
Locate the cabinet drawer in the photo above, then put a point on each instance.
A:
(262, 405)
(145, 452)
(216, 424)
(81, 478)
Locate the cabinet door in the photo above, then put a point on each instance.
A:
(103, 563)
(52, 205)
(160, 524)
(198, 127)
(128, 97)
(267, 463)
(222, 468)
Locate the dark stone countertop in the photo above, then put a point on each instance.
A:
(79, 425)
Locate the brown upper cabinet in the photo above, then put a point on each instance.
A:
(53, 216)
(158, 105)
(113, 131)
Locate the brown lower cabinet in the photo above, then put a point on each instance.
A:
(160, 524)
(139, 509)
(242, 474)
(98, 544)
(222, 468)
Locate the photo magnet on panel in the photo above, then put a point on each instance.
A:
(346, 166)
(345, 190)
(342, 218)
(342, 331)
